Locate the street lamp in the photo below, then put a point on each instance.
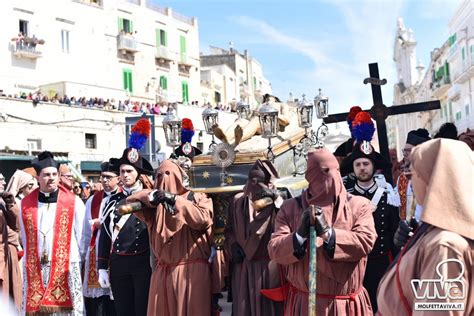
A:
(172, 129)
(243, 110)
(210, 119)
(321, 103)
(268, 117)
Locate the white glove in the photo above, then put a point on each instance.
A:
(104, 278)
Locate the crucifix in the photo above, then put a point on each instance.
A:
(380, 112)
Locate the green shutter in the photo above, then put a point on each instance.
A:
(463, 54)
(163, 82)
(125, 79)
(446, 69)
(120, 24)
(182, 47)
(254, 83)
(158, 38)
(131, 26)
(130, 82)
(184, 87)
(165, 35)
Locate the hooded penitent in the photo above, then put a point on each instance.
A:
(444, 169)
(18, 181)
(131, 156)
(261, 175)
(363, 130)
(325, 182)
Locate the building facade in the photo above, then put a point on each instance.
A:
(448, 78)
(245, 83)
(99, 48)
(461, 60)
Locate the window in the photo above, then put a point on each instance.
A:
(161, 38)
(185, 91)
(163, 82)
(463, 54)
(24, 27)
(467, 110)
(91, 141)
(441, 110)
(33, 144)
(217, 97)
(254, 83)
(125, 25)
(458, 116)
(127, 80)
(450, 114)
(65, 41)
(182, 48)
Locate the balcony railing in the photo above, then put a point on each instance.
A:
(126, 42)
(27, 47)
(183, 18)
(163, 53)
(441, 86)
(465, 71)
(153, 6)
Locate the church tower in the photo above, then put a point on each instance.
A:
(404, 56)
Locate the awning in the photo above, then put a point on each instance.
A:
(91, 166)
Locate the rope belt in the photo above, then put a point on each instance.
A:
(351, 296)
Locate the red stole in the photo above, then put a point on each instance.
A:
(402, 191)
(57, 296)
(93, 276)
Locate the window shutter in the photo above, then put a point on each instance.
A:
(130, 84)
(165, 35)
(120, 24)
(125, 79)
(158, 39)
(184, 86)
(182, 47)
(463, 55)
(131, 26)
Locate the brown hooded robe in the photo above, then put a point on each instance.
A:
(252, 230)
(443, 182)
(342, 273)
(181, 280)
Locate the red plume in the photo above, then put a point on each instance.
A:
(142, 127)
(187, 124)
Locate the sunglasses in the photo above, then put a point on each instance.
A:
(77, 187)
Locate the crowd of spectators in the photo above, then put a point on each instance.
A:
(158, 108)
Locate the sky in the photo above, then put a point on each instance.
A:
(305, 45)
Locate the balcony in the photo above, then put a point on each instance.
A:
(27, 47)
(126, 43)
(163, 56)
(465, 70)
(126, 57)
(441, 86)
(184, 65)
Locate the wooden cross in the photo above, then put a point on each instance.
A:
(380, 112)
